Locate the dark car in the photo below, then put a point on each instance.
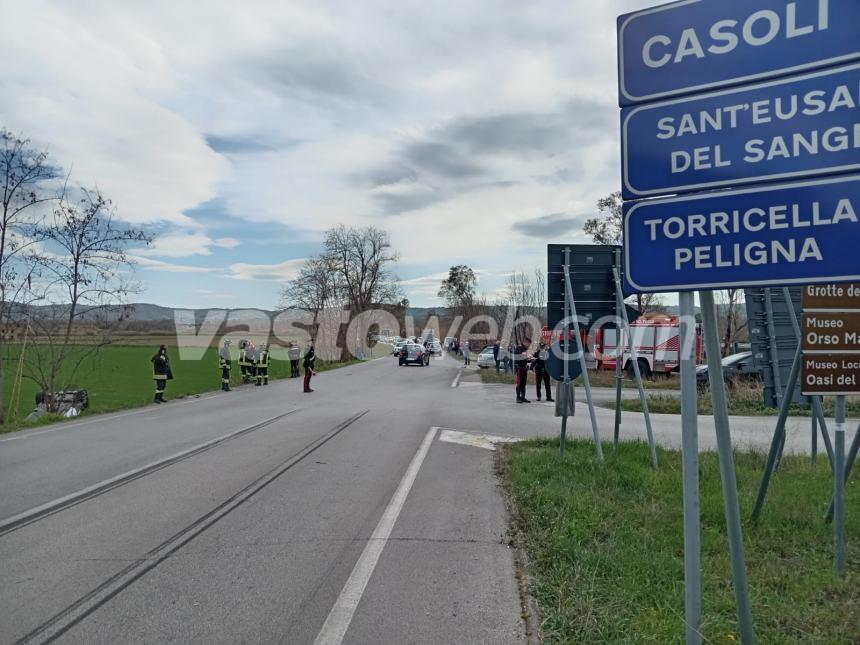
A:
(415, 354)
(736, 367)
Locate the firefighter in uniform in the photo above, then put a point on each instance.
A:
(244, 364)
(161, 373)
(224, 365)
(263, 365)
(521, 367)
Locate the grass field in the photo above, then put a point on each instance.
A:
(597, 378)
(741, 402)
(120, 377)
(605, 545)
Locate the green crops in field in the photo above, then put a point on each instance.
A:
(120, 377)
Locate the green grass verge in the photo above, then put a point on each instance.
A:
(739, 403)
(120, 377)
(605, 545)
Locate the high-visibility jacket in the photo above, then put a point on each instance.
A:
(243, 357)
(223, 362)
(263, 358)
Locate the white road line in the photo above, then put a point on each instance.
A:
(456, 380)
(485, 441)
(340, 616)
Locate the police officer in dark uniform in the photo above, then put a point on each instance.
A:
(161, 372)
(521, 367)
(224, 363)
(262, 366)
(309, 363)
(541, 374)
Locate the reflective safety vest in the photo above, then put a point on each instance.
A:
(243, 357)
(263, 358)
(223, 362)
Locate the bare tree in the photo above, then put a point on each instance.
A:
(607, 229)
(83, 282)
(23, 173)
(731, 317)
(362, 260)
(313, 289)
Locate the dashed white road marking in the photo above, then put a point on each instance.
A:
(456, 380)
(486, 441)
(340, 616)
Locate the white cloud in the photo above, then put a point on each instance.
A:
(280, 272)
(169, 267)
(181, 245)
(445, 123)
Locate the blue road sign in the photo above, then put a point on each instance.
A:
(698, 45)
(795, 233)
(783, 129)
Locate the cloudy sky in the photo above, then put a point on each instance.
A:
(474, 132)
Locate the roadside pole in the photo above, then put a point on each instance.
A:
(776, 442)
(619, 356)
(690, 463)
(849, 463)
(564, 382)
(634, 360)
(817, 411)
(727, 467)
(839, 489)
(585, 381)
(814, 438)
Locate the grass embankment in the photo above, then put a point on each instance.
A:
(597, 378)
(742, 401)
(605, 544)
(120, 377)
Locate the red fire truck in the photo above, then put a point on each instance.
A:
(657, 340)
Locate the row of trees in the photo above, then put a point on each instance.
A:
(63, 259)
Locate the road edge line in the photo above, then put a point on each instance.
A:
(340, 616)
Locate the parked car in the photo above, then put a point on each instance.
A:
(485, 358)
(736, 367)
(448, 341)
(414, 354)
(397, 347)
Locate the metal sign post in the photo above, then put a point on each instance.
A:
(634, 360)
(727, 465)
(566, 374)
(839, 490)
(690, 464)
(849, 463)
(579, 349)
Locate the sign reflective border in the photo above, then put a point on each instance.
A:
(797, 233)
(698, 45)
(784, 129)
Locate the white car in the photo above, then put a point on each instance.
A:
(485, 358)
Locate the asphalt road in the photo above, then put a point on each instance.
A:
(365, 512)
(336, 516)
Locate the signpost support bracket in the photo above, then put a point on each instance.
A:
(727, 467)
(585, 381)
(777, 436)
(634, 359)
